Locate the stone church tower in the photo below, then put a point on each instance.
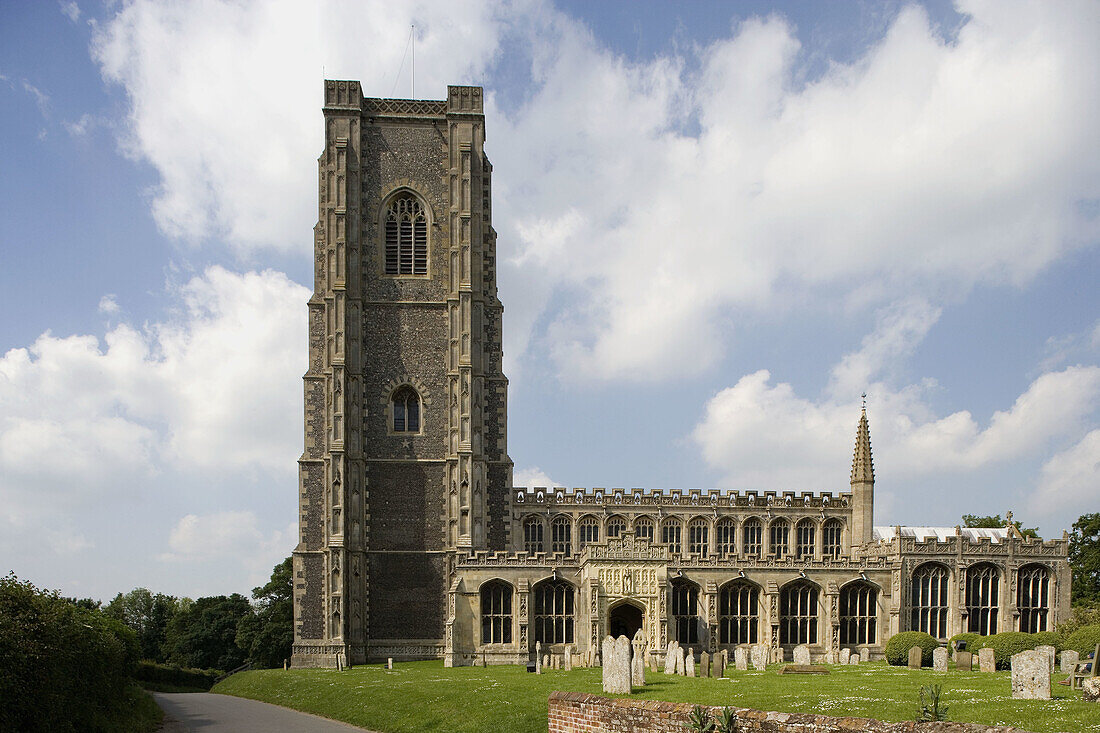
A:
(405, 459)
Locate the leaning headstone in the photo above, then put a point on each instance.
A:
(679, 661)
(616, 666)
(986, 661)
(568, 665)
(802, 654)
(1090, 689)
(760, 657)
(689, 663)
(1050, 652)
(1070, 658)
(842, 656)
(964, 661)
(864, 654)
(704, 665)
(670, 658)
(915, 656)
(1030, 675)
(637, 664)
(939, 659)
(741, 658)
(718, 665)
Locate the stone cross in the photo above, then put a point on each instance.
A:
(802, 654)
(538, 657)
(1070, 658)
(689, 663)
(964, 661)
(637, 665)
(915, 655)
(864, 654)
(616, 666)
(704, 665)
(679, 661)
(741, 658)
(568, 666)
(760, 657)
(1050, 652)
(939, 659)
(670, 658)
(1030, 675)
(844, 654)
(986, 661)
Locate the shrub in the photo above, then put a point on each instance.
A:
(1050, 638)
(166, 675)
(897, 649)
(1083, 614)
(974, 642)
(1084, 640)
(1005, 644)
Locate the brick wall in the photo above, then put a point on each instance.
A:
(575, 712)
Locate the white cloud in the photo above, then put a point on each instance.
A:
(108, 305)
(532, 477)
(71, 10)
(229, 539)
(1070, 479)
(225, 97)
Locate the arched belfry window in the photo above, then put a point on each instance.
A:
(405, 228)
(405, 405)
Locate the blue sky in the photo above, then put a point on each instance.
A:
(719, 224)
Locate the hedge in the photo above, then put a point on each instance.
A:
(165, 674)
(1084, 640)
(897, 649)
(1005, 644)
(973, 641)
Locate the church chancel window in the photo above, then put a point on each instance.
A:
(928, 599)
(406, 233)
(405, 406)
(1032, 599)
(738, 605)
(858, 613)
(554, 612)
(798, 613)
(496, 613)
(685, 619)
(982, 599)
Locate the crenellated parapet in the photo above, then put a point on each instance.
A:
(670, 498)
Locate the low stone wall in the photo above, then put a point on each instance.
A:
(576, 712)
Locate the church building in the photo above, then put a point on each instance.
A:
(413, 542)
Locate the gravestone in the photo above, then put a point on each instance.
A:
(802, 654)
(939, 659)
(964, 661)
(538, 657)
(854, 659)
(704, 665)
(843, 655)
(741, 658)
(864, 654)
(717, 665)
(679, 661)
(389, 662)
(915, 655)
(616, 666)
(637, 665)
(725, 658)
(1070, 658)
(986, 661)
(760, 657)
(670, 658)
(568, 666)
(689, 663)
(777, 655)
(652, 662)
(1030, 675)
(830, 657)
(1050, 652)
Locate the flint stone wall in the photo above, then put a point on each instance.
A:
(577, 712)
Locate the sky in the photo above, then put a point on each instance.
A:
(719, 224)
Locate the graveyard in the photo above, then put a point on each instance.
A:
(426, 696)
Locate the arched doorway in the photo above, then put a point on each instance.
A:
(624, 620)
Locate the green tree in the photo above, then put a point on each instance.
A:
(995, 522)
(267, 635)
(148, 615)
(204, 634)
(1084, 558)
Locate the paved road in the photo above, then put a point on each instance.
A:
(204, 712)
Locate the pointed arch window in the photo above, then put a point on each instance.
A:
(830, 539)
(496, 613)
(532, 534)
(685, 614)
(588, 530)
(798, 613)
(752, 537)
(406, 233)
(671, 536)
(616, 526)
(805, 537)
(928, 599)
(554, 612)
(405, 409)
(725, 537)
(698, 536)
(858, 613)
(643, 529)
(780, 538)
(982, 599)
(561, 531)
(1032, 598)
(738, 613)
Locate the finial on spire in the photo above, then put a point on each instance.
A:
(864, 398)
(863, 470)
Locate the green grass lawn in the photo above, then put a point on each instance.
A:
(423, 696)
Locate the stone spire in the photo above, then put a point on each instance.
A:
(863, 469)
